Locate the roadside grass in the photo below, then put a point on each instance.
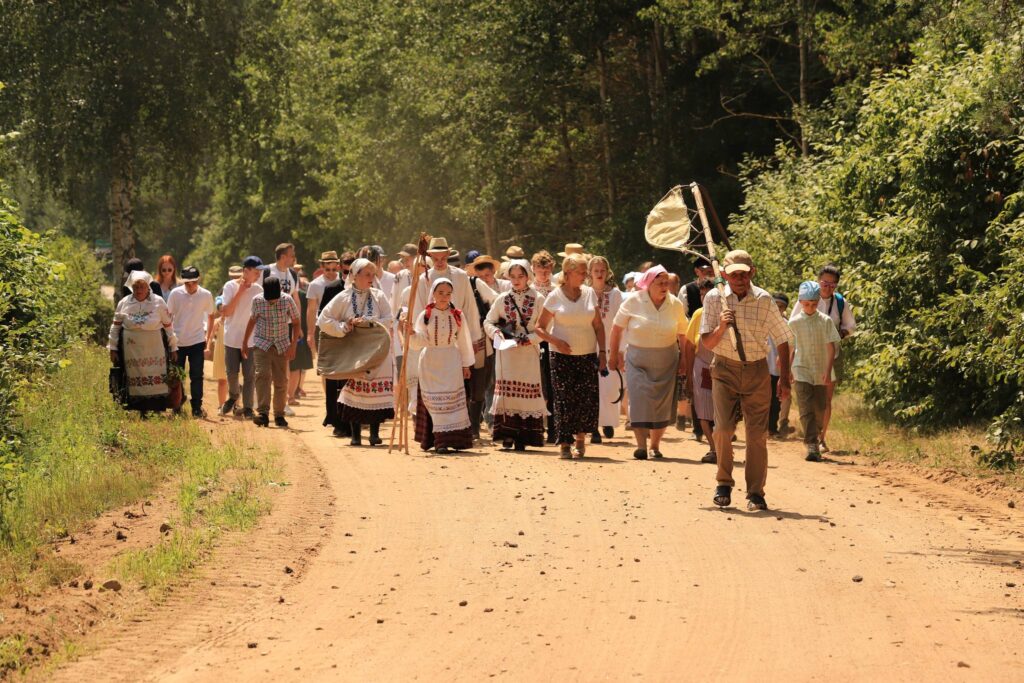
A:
(855, 429)
(83, 455)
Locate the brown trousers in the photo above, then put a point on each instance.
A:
(811, 400)
(271, 366)
(746, 386)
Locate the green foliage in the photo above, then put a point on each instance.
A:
(920, 201)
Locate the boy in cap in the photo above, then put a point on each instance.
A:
(192, 312)
(238, 295)
(740, 373)
(814, 351)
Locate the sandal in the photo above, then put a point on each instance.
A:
(755, 501)
(710, 457)
(723, 495)
(656, 454)
(640, 454)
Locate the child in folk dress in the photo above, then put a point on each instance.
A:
(442, 418)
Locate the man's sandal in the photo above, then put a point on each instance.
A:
(755, 501)
(723, 495)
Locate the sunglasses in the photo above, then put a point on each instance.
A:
(167, 270)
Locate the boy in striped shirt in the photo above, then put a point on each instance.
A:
(814, 351)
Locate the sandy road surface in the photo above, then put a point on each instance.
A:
(612, 569)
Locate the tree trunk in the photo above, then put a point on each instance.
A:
(490, 231)
(803, 30)
(659, 119)
(606, 136)
(570, 163)
(122, 216)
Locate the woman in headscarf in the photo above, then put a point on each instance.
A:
(140, 338)
(571, 325)
(518, 406)
(368, 400)
(654, 324)
(609, 298)
(442, 416)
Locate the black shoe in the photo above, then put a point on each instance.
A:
(228, 406)
(813, 456)
(609, 432)
(279, 421)
(595, 437)
(261, 420)
(640, 454)
(199, 413)
(520, 446)
(723, 495)
(755, 501)
(247, 413)
(339, 432)
(552, 437)
(508, 444)
(357, 440)
(375, 439)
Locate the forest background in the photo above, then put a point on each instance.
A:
(884, 135)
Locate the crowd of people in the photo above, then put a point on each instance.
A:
(506, 348)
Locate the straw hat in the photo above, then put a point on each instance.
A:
(437, 245)
(484, 259)
(329, 257)
(513, 252)
(572, 248)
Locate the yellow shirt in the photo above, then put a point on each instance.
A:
(649, 327)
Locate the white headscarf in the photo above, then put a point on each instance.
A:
(522, 263)
(137, 276)
(358, 265)
(440, 281)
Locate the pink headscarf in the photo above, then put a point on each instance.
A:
(645, 279)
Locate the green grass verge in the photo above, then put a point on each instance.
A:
(82, 455)
(959, 449)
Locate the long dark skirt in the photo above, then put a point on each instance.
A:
(528, 430)
(427, 438)
(576, 397)
(364, 417)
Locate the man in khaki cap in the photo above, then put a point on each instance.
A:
(740, 377)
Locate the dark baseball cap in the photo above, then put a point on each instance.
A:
(252, 262)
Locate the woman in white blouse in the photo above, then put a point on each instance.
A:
(654, 324)
(140, 338)
(571, 324)
(369, 399)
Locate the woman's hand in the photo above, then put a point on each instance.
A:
(561, 346)
(290, 353)
(174, 356)
(114, 358)
(602, 362)
(358, 322)
(618, 362)
(466, 373)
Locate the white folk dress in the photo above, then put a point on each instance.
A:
(137, 325)
(442, 418)
(608, 303)
(371, 399)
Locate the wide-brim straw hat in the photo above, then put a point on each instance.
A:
(481, 260)
(572, 248)
(437, 245)
(514, 252)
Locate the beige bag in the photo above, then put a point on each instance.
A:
(352, 356)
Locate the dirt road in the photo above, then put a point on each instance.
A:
(525, 567)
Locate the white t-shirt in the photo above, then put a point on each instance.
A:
(234, 326)
(386, 284)
(288, 282)
(649, 327)
(189, 314)
(574, 320)
(315, 291)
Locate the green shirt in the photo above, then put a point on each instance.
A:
(812, 335)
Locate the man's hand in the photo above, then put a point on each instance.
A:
(727, 318)
(783, 388)
(290, 353)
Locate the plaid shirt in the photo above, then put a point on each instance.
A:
(272, 320)
(757, 318)
(813, 334)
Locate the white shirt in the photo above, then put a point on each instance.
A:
(386, 282)
(190, 313)
(288, 283)
(649, 327)
(234, 326)
(574, 320)
(462, 298)
(315, 291)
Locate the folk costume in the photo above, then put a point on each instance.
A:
(142, 333)
(518, 406)
(442, 417)
(371, 399)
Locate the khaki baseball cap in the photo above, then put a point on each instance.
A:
(736, 261)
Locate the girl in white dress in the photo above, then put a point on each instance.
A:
(609, 298)
(442, 418)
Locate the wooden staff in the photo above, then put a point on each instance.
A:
(402, 423)
(734, 333)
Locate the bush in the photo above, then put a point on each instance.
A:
(921, 203)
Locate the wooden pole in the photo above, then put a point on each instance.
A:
(401, 424)
(733, 333)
